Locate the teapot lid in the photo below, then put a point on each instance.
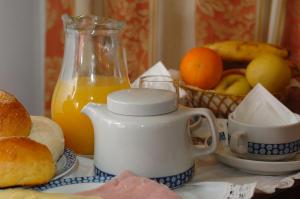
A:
(142, 102)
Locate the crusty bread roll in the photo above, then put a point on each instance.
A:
(27, 194)
(47, 132)
(14, 119)
(24, 162)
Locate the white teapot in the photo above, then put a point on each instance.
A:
(146, 132)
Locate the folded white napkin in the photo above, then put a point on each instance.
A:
(261, 108)
(159, 69)
(156, 69)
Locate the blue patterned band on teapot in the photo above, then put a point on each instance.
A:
(173, 181)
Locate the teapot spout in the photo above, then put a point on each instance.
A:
(92, 110)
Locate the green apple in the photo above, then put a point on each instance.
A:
(234, 84)
(269, 70)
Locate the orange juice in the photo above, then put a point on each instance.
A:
(68, 100)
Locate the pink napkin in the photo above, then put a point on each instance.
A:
(129, 186)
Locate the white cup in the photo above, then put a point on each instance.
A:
(269, 143)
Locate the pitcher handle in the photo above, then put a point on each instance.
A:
(197, 152)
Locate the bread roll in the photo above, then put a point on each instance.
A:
(27, 194)
(14, 119)
(47, 132)
(24, 162)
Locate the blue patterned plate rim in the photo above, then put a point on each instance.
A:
(68, 181)
(65, 163)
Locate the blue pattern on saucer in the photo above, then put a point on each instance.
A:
(68, 181)
(222, 137)
(172, 182)
(71, 158)
(65, 163)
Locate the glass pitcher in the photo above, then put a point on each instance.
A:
(94, 65)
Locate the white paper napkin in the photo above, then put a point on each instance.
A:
(222, 190)
(261, 108)
(156, 69)
(159, 69)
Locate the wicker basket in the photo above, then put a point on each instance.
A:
(221, 104)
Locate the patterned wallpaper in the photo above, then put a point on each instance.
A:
(226, 19)
(291, 37)
(135, 13)
(54, 44)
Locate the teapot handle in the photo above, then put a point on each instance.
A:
(197, 152)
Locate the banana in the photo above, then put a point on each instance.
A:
(245, 50)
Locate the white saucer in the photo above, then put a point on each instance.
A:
(224, 155)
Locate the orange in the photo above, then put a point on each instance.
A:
(201, 67)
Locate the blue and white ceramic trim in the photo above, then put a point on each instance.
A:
(65, 163)
(172, 182)
(69, 181)
(273, 149)
(222, 138)
(71, 158)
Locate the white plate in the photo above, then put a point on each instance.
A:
(65, 163)
(224, 155)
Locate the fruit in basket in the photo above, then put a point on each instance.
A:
(245, 50)
(238, 71)
(233, 84)
(201, 67)
(269, 70)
